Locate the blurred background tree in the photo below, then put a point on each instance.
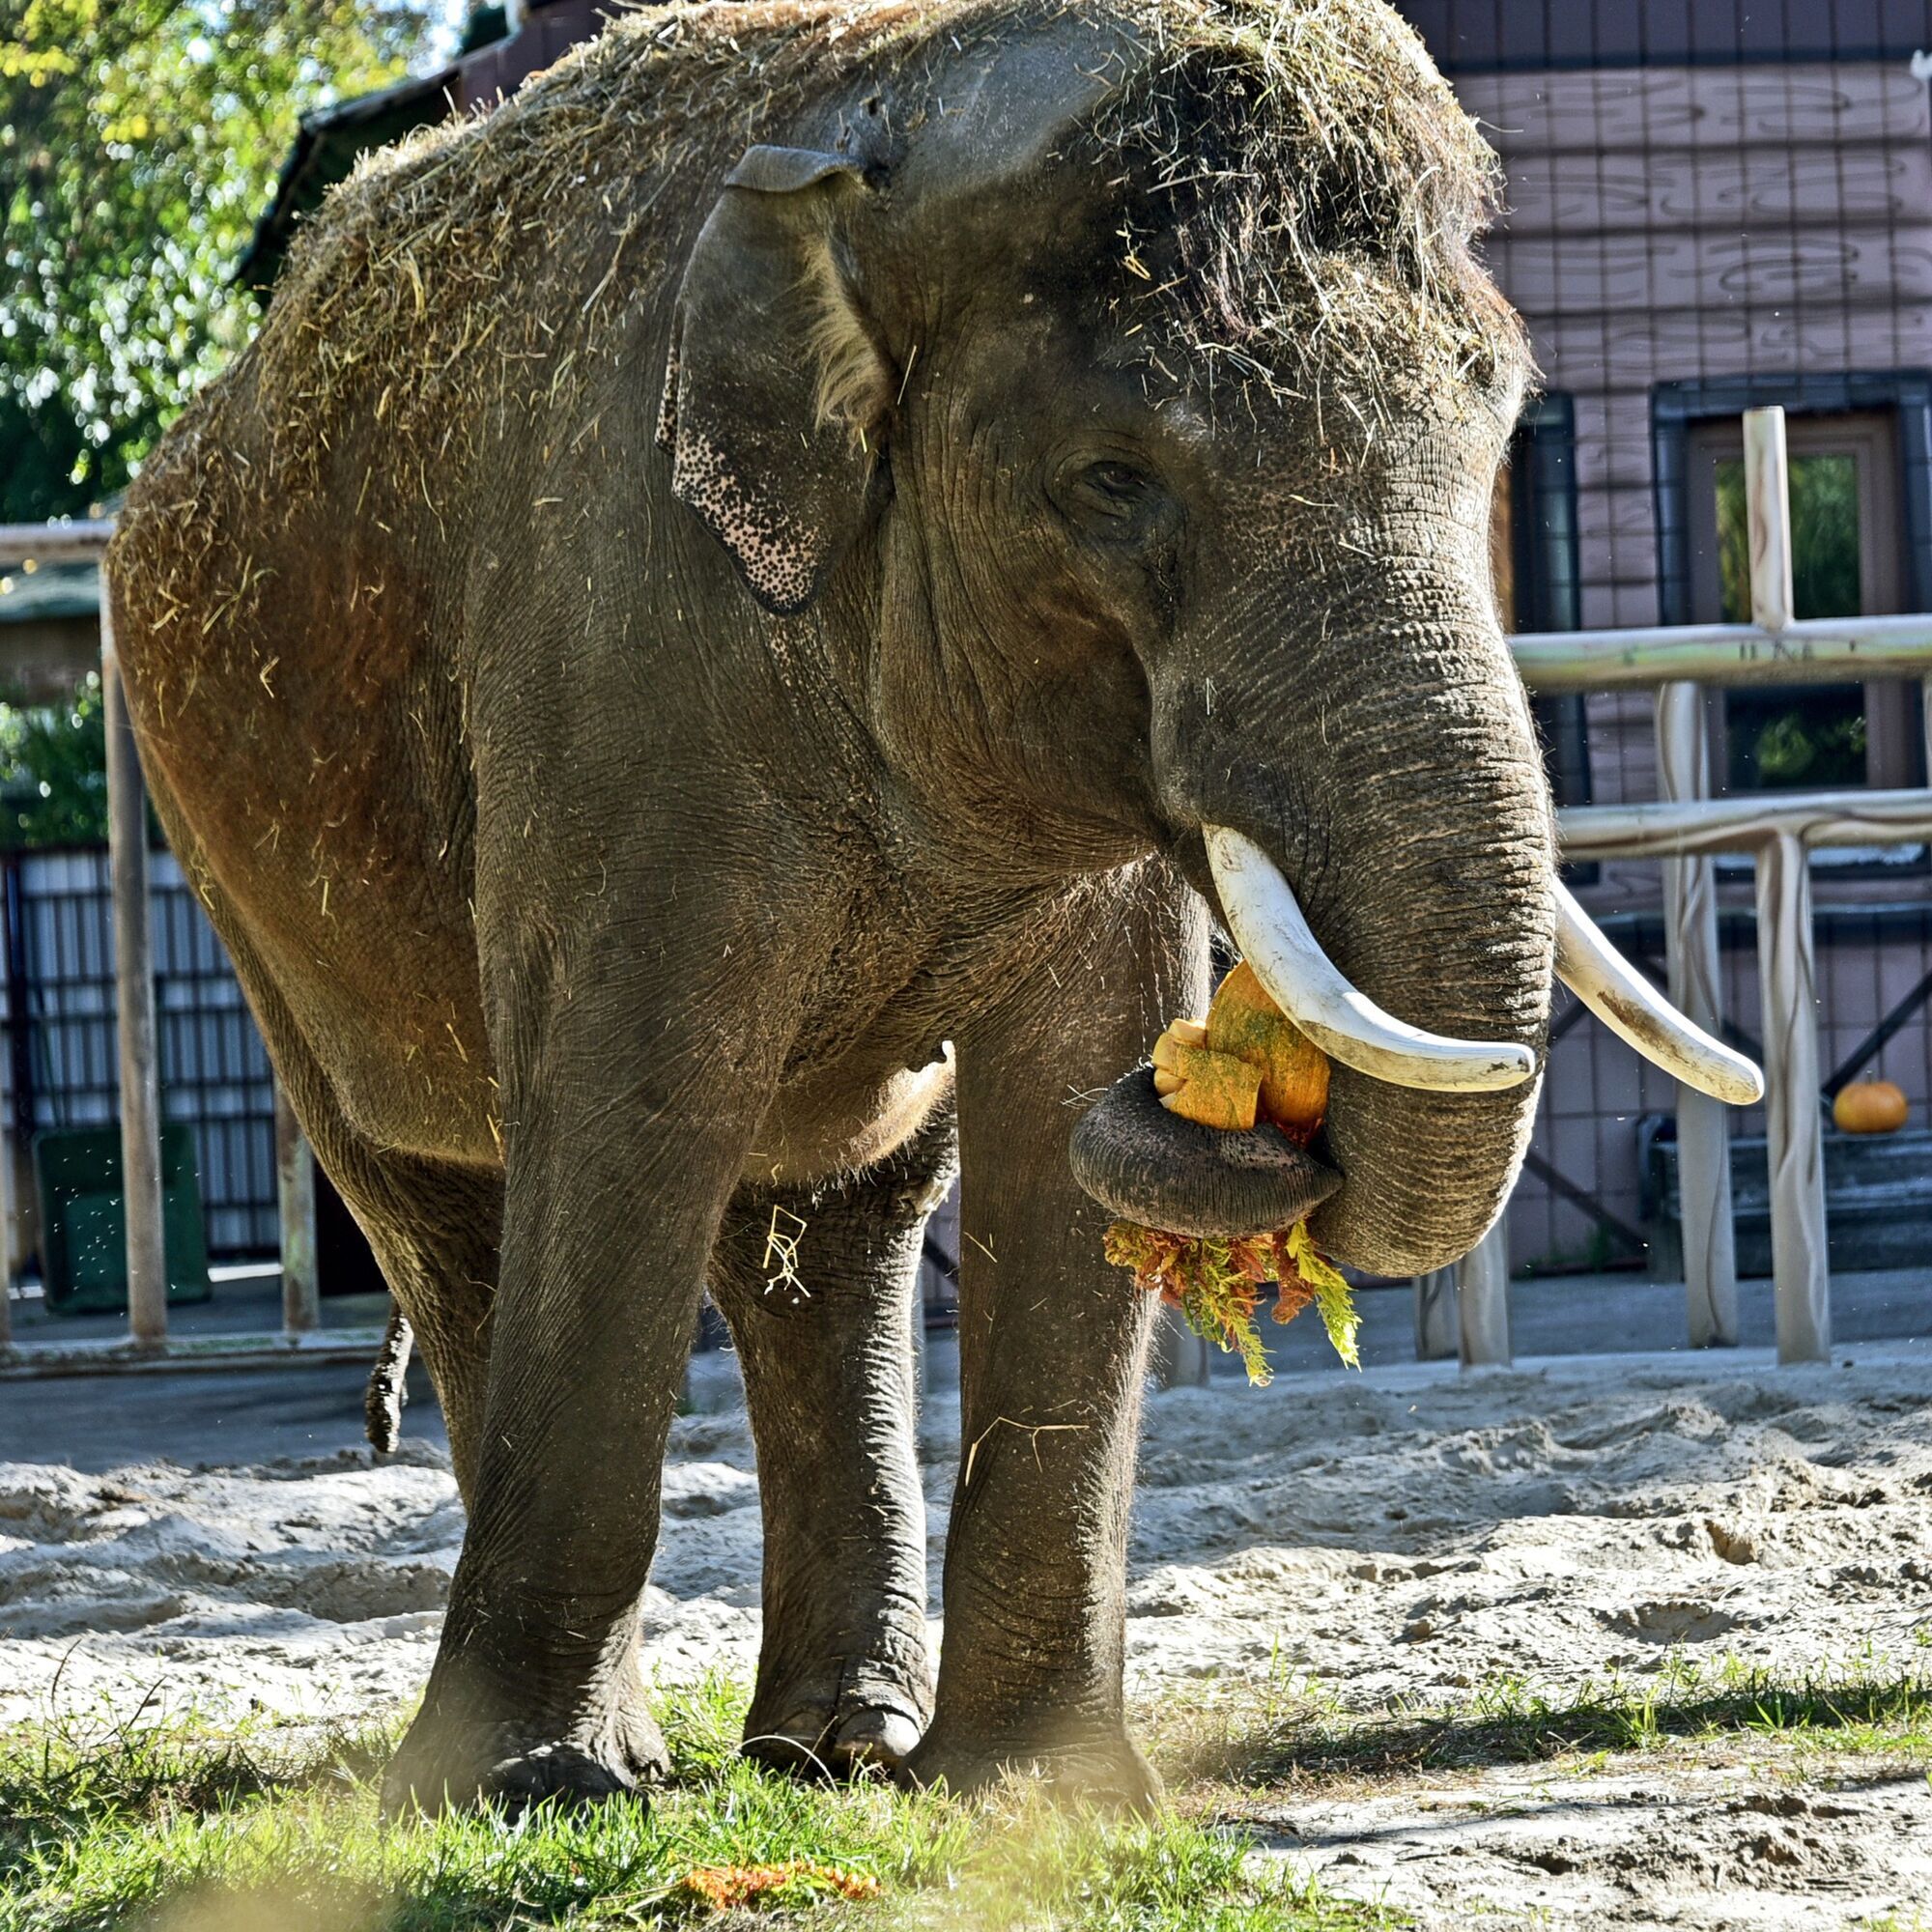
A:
(139, 141)
(53, 772)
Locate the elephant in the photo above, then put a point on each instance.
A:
(719, 658)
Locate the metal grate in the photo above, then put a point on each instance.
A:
(61, 1068)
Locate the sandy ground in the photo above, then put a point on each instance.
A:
(1407, 1532)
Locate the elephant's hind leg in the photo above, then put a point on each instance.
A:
(435, 1227)
(843, 1676)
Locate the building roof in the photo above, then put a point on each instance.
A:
(328, 141)
(53, 590)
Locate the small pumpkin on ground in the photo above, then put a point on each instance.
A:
(1246, 1061)
(1869, 1107)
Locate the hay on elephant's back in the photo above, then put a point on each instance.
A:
(1311, 192)
(1337, 209)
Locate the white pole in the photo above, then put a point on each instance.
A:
(1767, 513)
(295, 1199)
(1795, 1133)
(1482, 1301)
(1793, 1127)
(134, 996)
(1690, 953)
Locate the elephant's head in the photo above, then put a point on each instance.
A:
(1126, 381)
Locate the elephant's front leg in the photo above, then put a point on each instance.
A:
(824, 1335)
(1052, 1351)
(620, 1161)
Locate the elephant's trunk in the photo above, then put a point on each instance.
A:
(1413, 823)
(1425, 863)
(1374, 824)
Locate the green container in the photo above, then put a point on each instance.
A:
(84, 1219)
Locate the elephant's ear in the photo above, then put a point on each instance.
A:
(774, 386)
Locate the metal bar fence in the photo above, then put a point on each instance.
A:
(60, 1014)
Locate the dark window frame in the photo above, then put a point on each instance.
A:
(1547, 556)
(1870, 439)
(1676, 409)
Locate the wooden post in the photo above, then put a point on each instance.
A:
(295, 1196)
(1437, 1334)
(6, 1193)
(1794, 1132)
(135, 1008)
(1768, 512)
(1794, 1127)
(1691, 954)
(1482, 1301)
(13, 1019)
(1181, 1356)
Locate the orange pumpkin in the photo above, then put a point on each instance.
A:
(1869, 1107)
(1214, 1088)
(1245, 1022)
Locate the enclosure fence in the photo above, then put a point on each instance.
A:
(59, 1012)
(1689, 830)
(1463, 1311)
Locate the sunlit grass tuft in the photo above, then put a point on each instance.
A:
(1295, 1728)
(173, 1826)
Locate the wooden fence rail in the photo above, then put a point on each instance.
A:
(1778, 830)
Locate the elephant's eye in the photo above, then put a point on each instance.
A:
(1110, 499)
(1117, 485)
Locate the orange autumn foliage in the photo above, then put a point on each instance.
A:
(722, 1886)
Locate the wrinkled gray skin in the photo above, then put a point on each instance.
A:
(701, 892)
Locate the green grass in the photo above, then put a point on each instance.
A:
(171, 1826)
(273, 1829)
(1868, 1705)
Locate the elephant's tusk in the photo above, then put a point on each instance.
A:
(1633, 1009)
(1344, 1023)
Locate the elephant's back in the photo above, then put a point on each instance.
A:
(303, 737)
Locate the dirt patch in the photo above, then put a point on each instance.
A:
(1402, 1537)
(1710, 1844)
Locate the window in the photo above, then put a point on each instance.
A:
(1847, 546)
(1533, 566)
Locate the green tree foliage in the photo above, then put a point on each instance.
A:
(53, 772)
(139, 141)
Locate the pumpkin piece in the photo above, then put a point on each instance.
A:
(1217, 1090)
(1869, 1107)
(1245, 1022)
(1179, 1034)
(1165, 1082)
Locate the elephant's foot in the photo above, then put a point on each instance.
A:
(1108, 1772)
(455, 1760)
(838, 1722)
